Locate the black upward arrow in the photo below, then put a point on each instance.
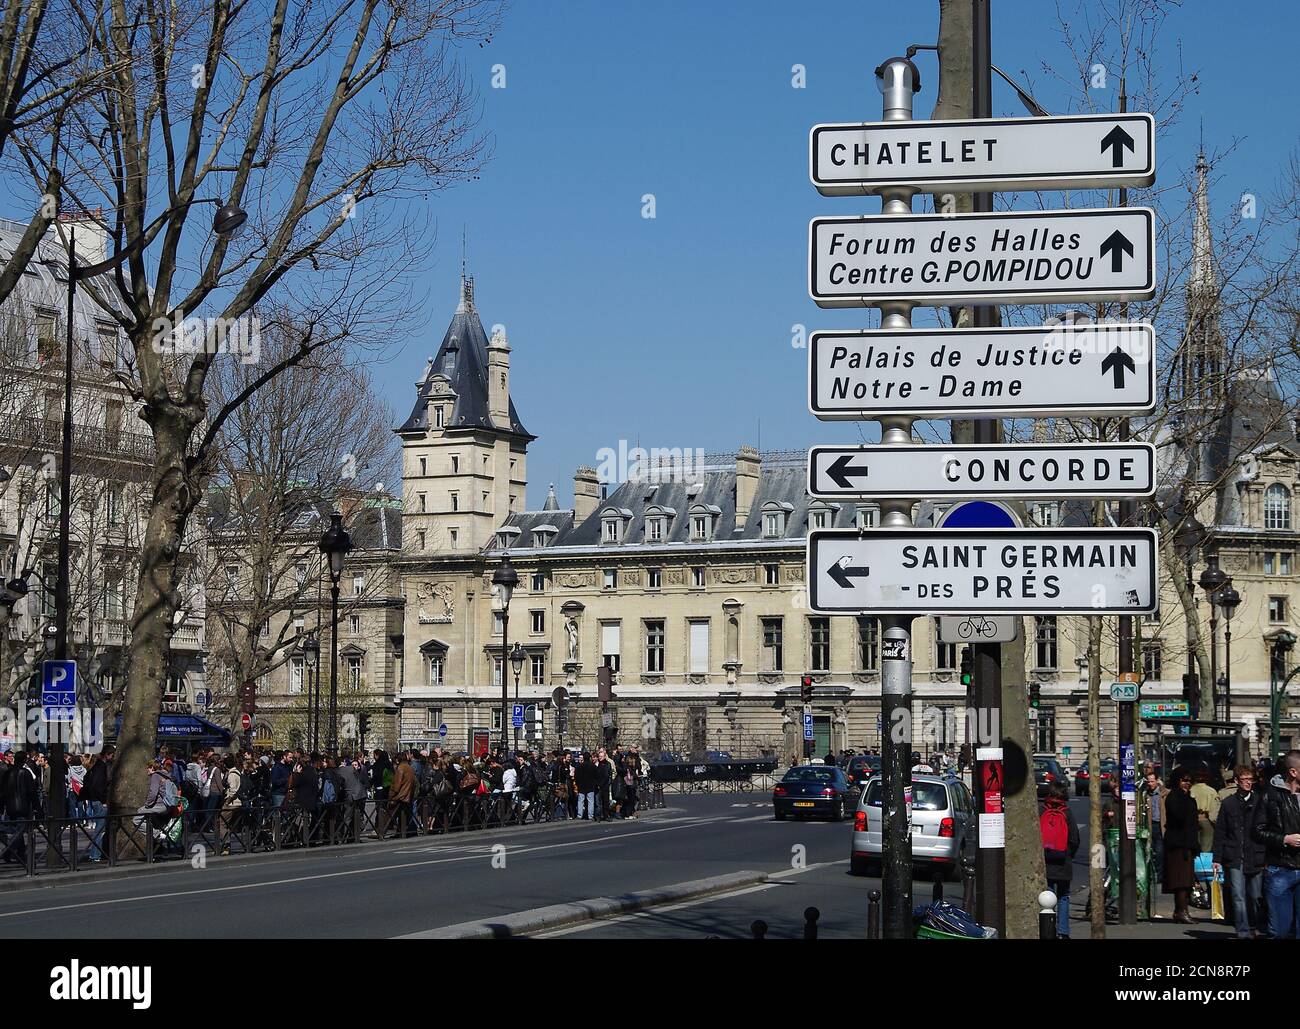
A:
(1116, 362)
(843, 574)
(843, 473)
(1117, 245)
(1118, 140)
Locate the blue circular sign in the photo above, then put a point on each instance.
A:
(442, 730)
(978, 514)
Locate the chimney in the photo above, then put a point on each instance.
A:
(747, 466)
(586, 494)
(91, 234)
(499, 379)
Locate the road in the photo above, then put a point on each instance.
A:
(394, 889)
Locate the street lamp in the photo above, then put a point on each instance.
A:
(335, 545)
(228, 219)
(1212, 580)
(1281, 645)
(311, 661)
(1229, 598)
(505, 579)
(517, 657)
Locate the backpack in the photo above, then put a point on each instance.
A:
(1054, 824)
(328, 794)
(244, 791)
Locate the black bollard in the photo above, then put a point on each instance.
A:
(810, 916)
(968, 886)
(873, 915)
(758, 930)
(1047, 902)
(937, 894)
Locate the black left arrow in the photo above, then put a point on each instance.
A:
(1118, 141)
(1117, 245)
(843, 471)
(1116, 362)
(844, 574)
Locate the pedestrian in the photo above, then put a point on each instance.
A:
(304, 793)
(1207, 808)
(162, 797)
(21, 803)
(587, 780)
(1238, 854)
(94, 799)
(628, 774)
(604, 781)
(1277, 827)
(211, 790)
(400, 794)
(1060, 837)
(1182, 843)
(234, 793)
(281, 770)
(381, 777)
(1154, 793)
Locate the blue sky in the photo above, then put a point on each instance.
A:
(676, 331)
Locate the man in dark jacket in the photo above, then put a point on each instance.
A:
(1239, 854)
(21, 801)
(1059, 863)
(1278, 829)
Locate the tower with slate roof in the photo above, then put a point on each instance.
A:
(464, 449)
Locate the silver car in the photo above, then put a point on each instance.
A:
(942, 824)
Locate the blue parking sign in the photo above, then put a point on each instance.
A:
(58, 690)
(517, 716)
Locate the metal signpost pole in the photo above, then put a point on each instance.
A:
(898, 80)
(1127, 746)
(990, 872)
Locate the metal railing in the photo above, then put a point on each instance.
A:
(92, 440)
(34, 847)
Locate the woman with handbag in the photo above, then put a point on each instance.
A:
(627, 779)
(1182, 843)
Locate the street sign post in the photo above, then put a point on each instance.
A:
(59, 690)
(1041, 470)
(1124, 692)
(1002, 571)
(1097, 151)
(1014, 257)
(949, 373)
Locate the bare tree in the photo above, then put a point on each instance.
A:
(323, 123)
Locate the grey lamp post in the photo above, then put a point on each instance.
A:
(505, 579)
(227, 221)
(1212, 580)
(1229, 598)
(311, 659)
(1281, 645)
(517, 657)
(335, 545)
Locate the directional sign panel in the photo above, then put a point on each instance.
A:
(948, 373)
(1008, 258)
(1073, 152)
(982, 571)
(1023, 470)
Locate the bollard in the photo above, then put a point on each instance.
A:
(937, 894)
(968, 885)
(810, 916)
(758, 930)
(1047, 915)
(873, 915)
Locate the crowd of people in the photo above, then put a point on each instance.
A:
(223, 794)
(1242, 823)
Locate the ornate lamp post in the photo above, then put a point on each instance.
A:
(1229, 598)
(517, 658)
(1280, 645)
(505, 579)
(335, 544)
(311, 659)
(1212, 580)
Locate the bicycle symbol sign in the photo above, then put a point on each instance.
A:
(978, 628)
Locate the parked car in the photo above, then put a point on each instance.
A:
(861, 768)
(811, 790)
(1048, 773)
(1109, 770)
(942, 824)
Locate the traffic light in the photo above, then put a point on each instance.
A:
(248, 697)
(1035, 696)
(967, 666)
(363, 724)
(806, 689)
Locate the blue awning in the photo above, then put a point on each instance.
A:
(186, 727)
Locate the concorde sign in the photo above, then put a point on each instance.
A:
(1095, 369)
(1013, 257)
(1044, 470)
(1072, 152)
(949, 571)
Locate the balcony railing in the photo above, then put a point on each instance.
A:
(87, 440)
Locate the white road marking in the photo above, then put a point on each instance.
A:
(513, 852)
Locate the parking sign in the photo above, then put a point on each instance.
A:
(58, 690)
(517, 716)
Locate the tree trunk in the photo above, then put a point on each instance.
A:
(1191, 618)
(151, 617)
(1025, 870)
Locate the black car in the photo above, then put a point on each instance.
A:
(1109, 771)
(1048, 773)
(811, 790)
(861, 768)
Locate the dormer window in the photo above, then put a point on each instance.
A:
(437, 416)
(865, 517)
(703, 519)
(775, 517)
(657, 522)
(611, 530)
(539, 539)
(543, 534)
(700, 527)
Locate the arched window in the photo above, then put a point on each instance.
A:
(1277, 507)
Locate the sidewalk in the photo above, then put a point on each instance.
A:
(1160, 927)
